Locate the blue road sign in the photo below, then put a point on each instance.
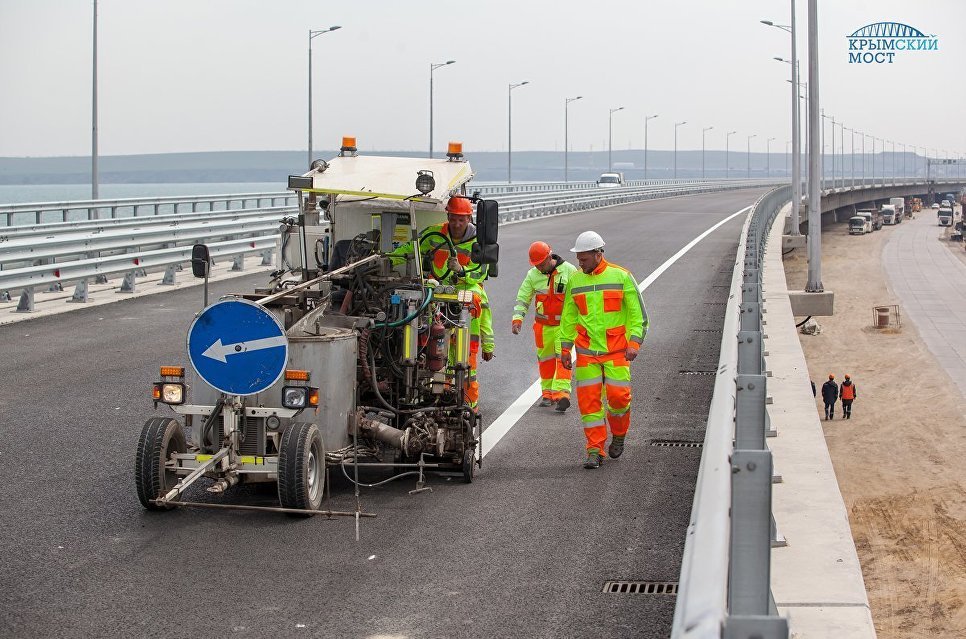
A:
(238, 347)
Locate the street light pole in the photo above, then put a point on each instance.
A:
(509, 129)
(703, 131)
(94, 114)
(748, 153)
(727, 153)
(312, 35)
(814, 284)
(768, 157)
(610, 135)
(646, 118)
(676, 125)
(567, 102)
(432, 67)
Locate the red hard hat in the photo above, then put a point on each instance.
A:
(459, 206)
(539, 251)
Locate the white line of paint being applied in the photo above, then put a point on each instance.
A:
(508, 419)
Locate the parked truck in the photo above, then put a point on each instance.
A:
(900, 205)
(860, 225)
(875, 218)
(945, 215)
(888, 212)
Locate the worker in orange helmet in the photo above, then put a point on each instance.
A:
(446, 248)
(544, 285)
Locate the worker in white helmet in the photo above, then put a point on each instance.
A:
(605, 320)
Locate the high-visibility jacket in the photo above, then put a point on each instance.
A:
(847, 390)
(603, 312)
(436, 249)
(547, 291)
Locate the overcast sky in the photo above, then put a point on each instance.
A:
(210, 75)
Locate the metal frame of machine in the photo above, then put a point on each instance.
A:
(377, 350)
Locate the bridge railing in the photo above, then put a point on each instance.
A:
(724, 586)
(53, 255)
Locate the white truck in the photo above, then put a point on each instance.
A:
(900, 204)
(945, 215)
(888, 212)
(611, 180)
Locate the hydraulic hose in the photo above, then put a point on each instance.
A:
(411, 316)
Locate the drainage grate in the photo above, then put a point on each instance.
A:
(697, 372)
(641, 587)
(676, 443)
(715, 303)
(706, 330)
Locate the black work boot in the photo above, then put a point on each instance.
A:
(562, 404)
(545, 401)
(593, 459)
(616, 448)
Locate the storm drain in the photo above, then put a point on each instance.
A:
(706, 330)
(641, 587)
(697, 372)
(715, 303)
(676, 443)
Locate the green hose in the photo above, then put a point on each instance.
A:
(414, 315)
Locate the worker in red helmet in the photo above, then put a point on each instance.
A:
(544, 285)
(445, 250)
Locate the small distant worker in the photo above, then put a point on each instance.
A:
(446, 249)
(847, 394)
(830, 394)
(545, 285)
(605, 320)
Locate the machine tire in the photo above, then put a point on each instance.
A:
(469, 464)
(301, 467)
(160, 437)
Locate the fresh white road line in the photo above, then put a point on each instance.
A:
(508, 419)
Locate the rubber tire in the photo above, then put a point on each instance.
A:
(160, 437)
(301, 467)
(469, 464)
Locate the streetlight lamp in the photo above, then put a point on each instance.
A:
(676, 125)
(748, 153)
(312, 35)
(796, 124)
(509, 128)
(646, 118)
(610, 134)
(703, 131)
(567, 102)
(432, 67)
(768, 157)
(727, 153)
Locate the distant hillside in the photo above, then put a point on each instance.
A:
(275, 166)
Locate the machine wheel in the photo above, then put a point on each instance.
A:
(469, 463)
(160, 437)
(301, 467)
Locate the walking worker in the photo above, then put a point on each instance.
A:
(605, 320)
(830, 393)
(847, 394)
(446, 250)
(545, 284)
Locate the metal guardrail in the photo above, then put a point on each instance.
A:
(76, 251)
(724, 587)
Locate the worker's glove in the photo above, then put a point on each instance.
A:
(487, 356)
(630, 354)
(454, 265)
(517, 326)
(565, 360)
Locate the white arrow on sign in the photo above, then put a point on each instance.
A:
(219, 351)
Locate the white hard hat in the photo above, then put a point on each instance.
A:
(588, 241)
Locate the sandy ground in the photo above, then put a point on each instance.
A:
(900, 459)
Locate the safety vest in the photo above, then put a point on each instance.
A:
(547, 292)
(603, 312)
(848, 390)
(437, 250)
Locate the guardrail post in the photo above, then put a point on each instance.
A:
(267, 257)
(169, 275)
(238, 263)
(26, 303)
(750, 565)
(750, 412)
(80, 292)
(749, 353)
(130, 282)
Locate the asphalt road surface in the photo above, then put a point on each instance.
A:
(524, 551)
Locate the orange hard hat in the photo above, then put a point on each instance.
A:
(847, 377)
(459, 206)
(539, 251)
(831, 376)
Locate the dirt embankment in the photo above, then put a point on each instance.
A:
(900, 460)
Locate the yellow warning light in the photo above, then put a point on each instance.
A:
(172, 371)
(455, 150)
(297, 375)
(348, 143)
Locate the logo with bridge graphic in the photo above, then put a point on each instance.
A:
(878, 43)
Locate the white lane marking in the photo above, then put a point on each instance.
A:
(508, 419)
